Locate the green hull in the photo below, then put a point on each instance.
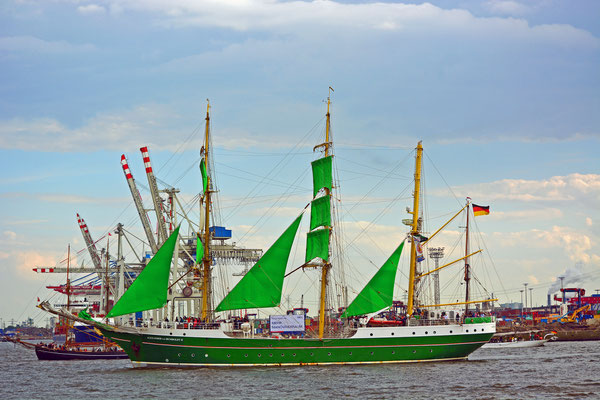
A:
(170, 349)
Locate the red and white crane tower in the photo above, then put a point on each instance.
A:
(158, 205)
(137, 199)
(89, 243)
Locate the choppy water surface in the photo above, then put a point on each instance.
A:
(557, 370)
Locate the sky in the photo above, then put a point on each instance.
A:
(504, 95)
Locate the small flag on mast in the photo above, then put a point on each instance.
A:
(480, 210)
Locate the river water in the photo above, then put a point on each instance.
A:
(559, 370)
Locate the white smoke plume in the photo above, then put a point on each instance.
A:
(571, 275)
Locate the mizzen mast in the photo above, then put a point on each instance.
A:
(414, 231)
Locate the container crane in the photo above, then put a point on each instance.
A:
(158, 206)
(137, 199)
(89, 243)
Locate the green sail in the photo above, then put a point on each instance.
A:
(261, 286)
(317, 245)
(320, 212)
(149, 290)
(204, 176)
(322, 174)
(378, 293)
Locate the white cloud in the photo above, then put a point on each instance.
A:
(149, 124)
(588, 221)
(9, 235)
(573, 187)
(506, 7)
(91, 9)
(30, 44)
(574, 244)
(306, 17)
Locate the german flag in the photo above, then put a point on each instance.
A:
(480, 210)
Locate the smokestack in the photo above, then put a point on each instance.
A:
(549, 303)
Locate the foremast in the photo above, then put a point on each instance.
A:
(414, 231)
(206, 311)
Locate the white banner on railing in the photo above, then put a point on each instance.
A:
(287, 323)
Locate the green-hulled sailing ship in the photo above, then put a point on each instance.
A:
(214, 342)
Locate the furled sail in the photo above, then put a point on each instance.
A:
(378, 293)
(149, 290)
(262, 285)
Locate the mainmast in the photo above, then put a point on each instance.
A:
(158, 207)
(206, 314)
(414, 232)
(326, 265)
(137, 199)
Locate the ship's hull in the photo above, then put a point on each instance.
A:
(183, 347)
(43, 353)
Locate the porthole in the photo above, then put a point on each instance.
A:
(467, 330)
(312, 354)
(372, 353)
(245, 355)
(431, 350)
(184, 333)
(258, 354)
(371, 334)
(205, 355)
(350, 353)
(193, 355)
(450, 331)
(474, 330)
(170, 333)
(228, 355)
(270, 355)
(329, 354)
(426, 332)
(414, 351)
(178, 354)
(413, 333)
(393, 352)
(282, 355)
(392, 333)
(294, 355)
(434, 332)
(166, 360)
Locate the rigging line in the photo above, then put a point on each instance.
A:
(368, 166)
(272, 181)
(358, 146)
(277, 166)
(374, 220)
(251, 154)
(489, 256)
(375, 186)
(184, 143)
(442, 177)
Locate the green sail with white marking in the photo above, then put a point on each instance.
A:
(261, 286)
(378, 293)
(149, 290)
